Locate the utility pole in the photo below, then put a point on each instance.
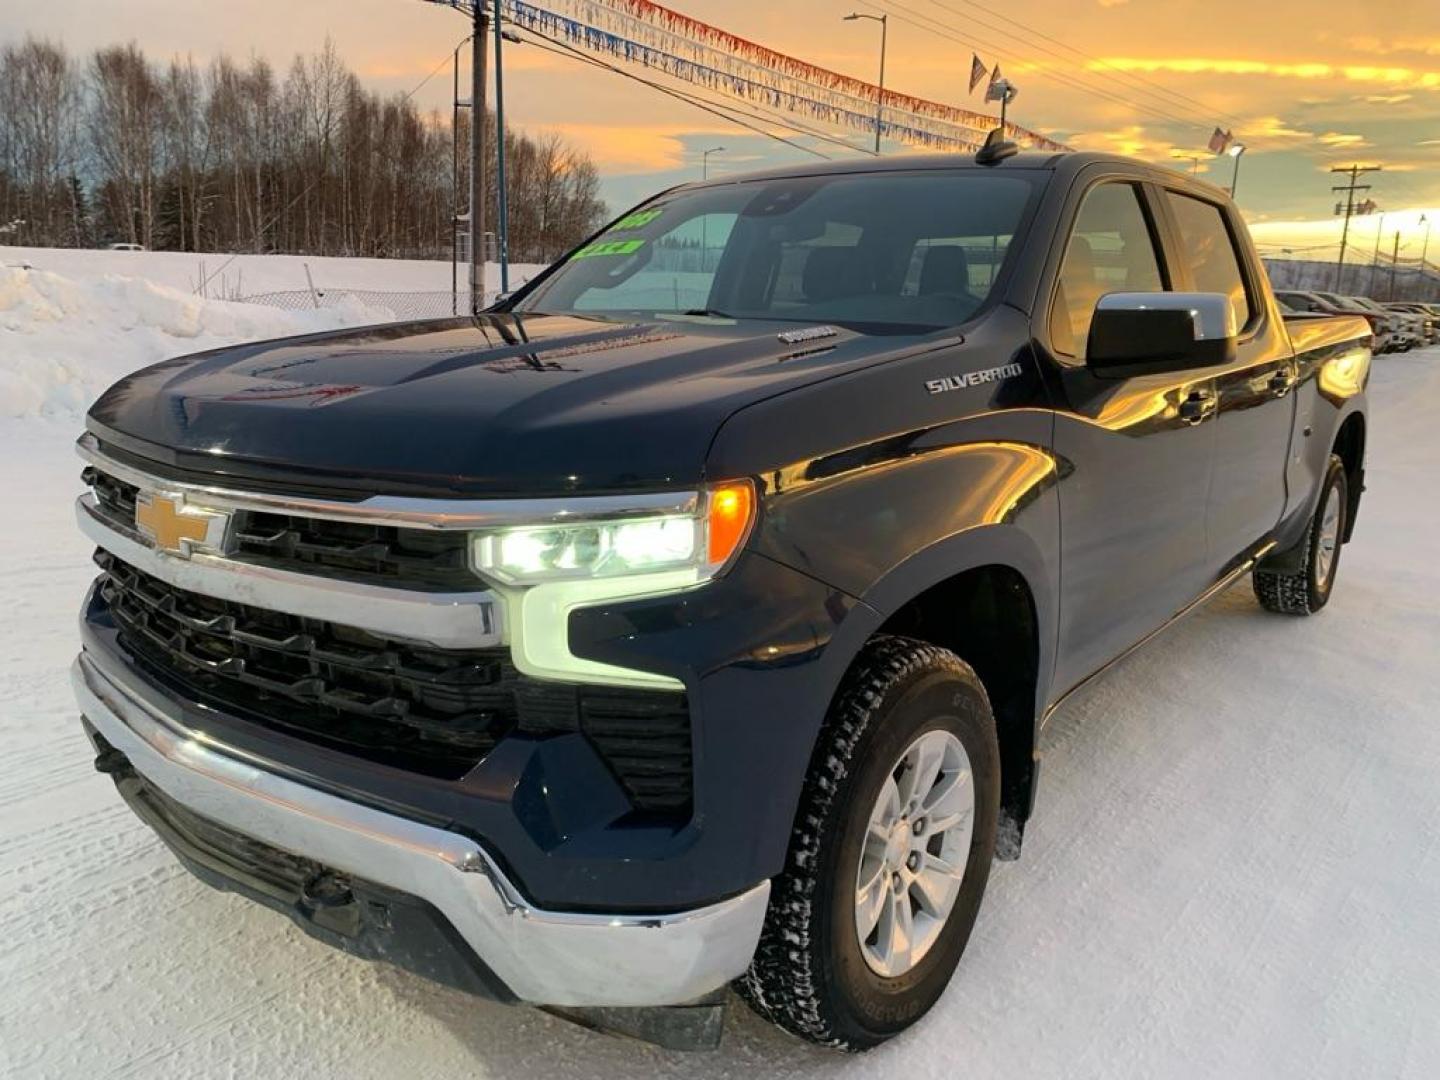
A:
(1355, 171)
(1375, 259)
(502, 228)
(1394, 261)
(455, 106)
(1424, 251)
(477, 157)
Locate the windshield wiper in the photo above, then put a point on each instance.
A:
(709, 313)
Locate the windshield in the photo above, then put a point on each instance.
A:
(906, 250)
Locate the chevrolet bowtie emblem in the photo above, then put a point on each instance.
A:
(176, 528)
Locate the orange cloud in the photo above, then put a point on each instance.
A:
(1308, 70)
(633, 148)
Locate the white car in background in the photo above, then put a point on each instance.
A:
(1428, 316)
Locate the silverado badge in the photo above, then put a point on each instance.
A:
(974, 378)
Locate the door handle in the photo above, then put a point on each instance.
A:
(1195, 408)
(1281, 383)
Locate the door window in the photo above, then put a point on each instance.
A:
(1209, 251)
(1110, 250)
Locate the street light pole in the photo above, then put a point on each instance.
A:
(704, 218)
(884, 21)
(1424, 250)
(1235, 151)
(705, 160)
(1194, 160)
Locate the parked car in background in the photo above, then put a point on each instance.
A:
(1429, 319)
(1408, 328)
(1382, 326)
(124, 247)
(1397, 339)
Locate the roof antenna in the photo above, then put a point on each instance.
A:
(996, 149)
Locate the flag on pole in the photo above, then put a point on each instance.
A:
(995, 91)
(977, 71)
(1218, 141)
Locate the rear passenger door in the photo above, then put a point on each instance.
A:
(1254, 405)
(1135, 451)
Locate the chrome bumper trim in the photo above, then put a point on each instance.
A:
(399, 510)
(467, 620)
(544, 957)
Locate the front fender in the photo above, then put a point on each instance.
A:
(887, 531)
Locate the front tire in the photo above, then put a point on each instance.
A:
(890, 852)
(1306, 589)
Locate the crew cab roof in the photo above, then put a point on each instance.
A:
(1064, 163)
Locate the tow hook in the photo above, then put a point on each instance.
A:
(327, 900)
(112, 762)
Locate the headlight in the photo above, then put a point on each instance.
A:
(631, 548)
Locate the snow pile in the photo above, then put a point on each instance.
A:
(64, 339)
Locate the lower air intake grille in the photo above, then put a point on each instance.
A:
(437, 712)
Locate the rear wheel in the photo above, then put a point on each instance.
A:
(890, 853)
(1306, 589)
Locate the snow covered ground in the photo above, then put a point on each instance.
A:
(72, 322)
(1234, 870)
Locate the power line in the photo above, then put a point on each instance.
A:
(1192, 104)
(435, 70)
(716, 110)
(978, 44)
(690, 51)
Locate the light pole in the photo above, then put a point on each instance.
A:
(705, 160)
(1194, 160)
(1236, 149)
(1424, 250)
(704, 222)
(884, 21)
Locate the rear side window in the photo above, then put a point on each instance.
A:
(1208, 249)
(1110, 250)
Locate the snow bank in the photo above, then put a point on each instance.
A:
(64, 339)
(230, 277)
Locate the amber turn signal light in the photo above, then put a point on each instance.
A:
(730, 515)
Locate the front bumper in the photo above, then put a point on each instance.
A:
(540, 957)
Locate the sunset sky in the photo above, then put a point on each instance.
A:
(1305, 85)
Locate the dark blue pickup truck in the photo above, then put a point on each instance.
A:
(689, 618)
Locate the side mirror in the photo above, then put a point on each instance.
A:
(1145, 333)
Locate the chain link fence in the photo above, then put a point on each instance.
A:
(1363, 277)
(428, 304)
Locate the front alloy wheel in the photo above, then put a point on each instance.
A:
(890, 852)
(916, 845)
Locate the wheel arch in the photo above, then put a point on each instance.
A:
(1349, 444)
(984, 594)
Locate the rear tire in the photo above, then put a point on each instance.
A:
(812, 973)
(1307, 589)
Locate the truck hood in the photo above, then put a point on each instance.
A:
(495, 405)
